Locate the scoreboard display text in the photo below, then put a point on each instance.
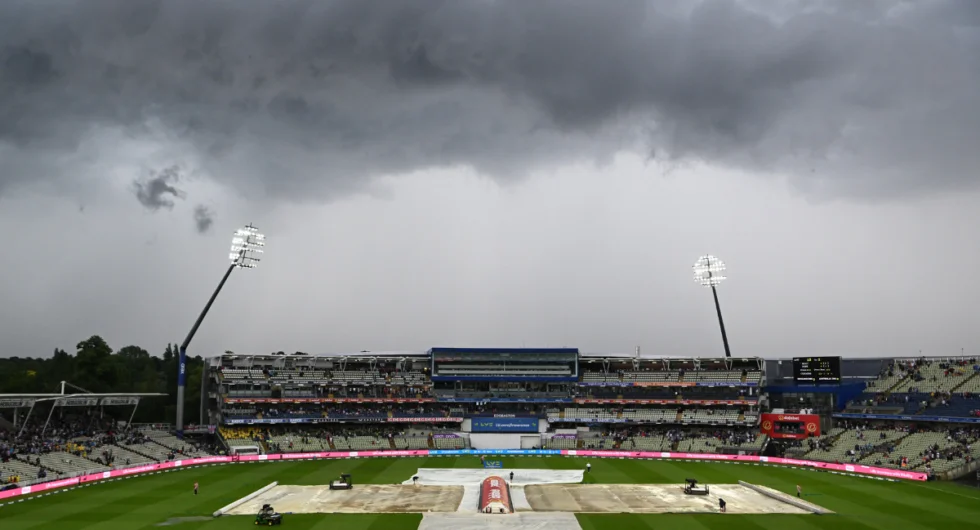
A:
(816, 369)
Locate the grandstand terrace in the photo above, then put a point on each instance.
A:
(375, 401)
(920, 414)
(55, 436)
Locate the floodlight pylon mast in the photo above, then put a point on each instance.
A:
(708, 272)
(721, 322)
(245, 244)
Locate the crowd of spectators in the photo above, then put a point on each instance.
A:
(77, 438)
(716, 437)
(341, 411)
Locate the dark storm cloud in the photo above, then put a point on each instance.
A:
(203, 218)
(306, 98)
(157, 190)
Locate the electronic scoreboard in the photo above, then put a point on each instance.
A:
(816, 370)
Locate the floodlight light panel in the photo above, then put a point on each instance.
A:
(708, 271)
(708, 281)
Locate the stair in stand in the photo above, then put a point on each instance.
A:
(976, 375)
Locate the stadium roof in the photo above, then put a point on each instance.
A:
(85, 394)
(504, 350)
(364, 353)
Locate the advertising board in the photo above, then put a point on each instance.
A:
(846, 468)
(790, 426)
(504, 424)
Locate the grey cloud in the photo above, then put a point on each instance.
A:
(306, 99)
(157, 190)
(203, 218)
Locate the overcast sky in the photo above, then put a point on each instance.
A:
(492, 173)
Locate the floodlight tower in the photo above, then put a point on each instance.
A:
(246, 244)
(709, 272)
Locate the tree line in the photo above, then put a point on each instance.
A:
(95, 367)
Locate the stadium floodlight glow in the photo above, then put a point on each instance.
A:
(246, 246)
(709, 271)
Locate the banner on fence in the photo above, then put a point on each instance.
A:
(76, 402)
(900, 417)
(846, 468)
(13, 403)
(115, 401)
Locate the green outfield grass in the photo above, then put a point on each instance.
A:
(145, 501)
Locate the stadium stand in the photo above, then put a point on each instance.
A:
(394, 402)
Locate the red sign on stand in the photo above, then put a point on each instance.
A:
(790, 426)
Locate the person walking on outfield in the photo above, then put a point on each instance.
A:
(195, 488)
(588, 467)
(799, 491)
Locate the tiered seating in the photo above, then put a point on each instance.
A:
(849, 440)
(232, 433)
(710, 416)
(651, 377)
(411, 442)
(757, 444)
(826, 439)
(592, 440)
(911, 447)
(574, 413)
(169, 441)
(361, 443)
(971, 385)
(238, 437)
(885, 381)
(70, 464)
(299, 446)
(647, 443)
(698, 445)
(723, 376)
(664, 415)
(298, 376)
(935, 379)
(449, 442)
(562, 441)
(408, 378)
(630, 377)
(122, 454)
(26, 472)
(241, 374)
(707, 376)
(155, 451)
(651, 415)
(357, 376)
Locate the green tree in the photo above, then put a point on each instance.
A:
(95, 367)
